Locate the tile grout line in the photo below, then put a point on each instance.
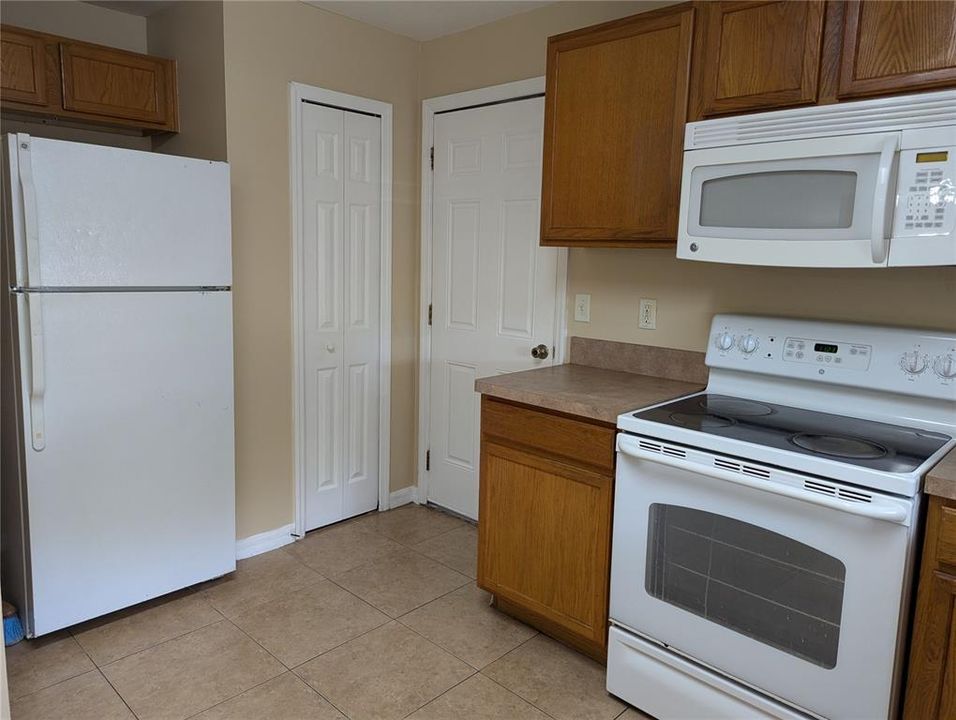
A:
(103, 675)
(509, 690)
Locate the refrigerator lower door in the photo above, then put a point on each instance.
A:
(133, 493)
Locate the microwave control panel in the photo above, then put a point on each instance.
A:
(926, 201)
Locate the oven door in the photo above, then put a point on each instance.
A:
(792, 592)
(825, 202)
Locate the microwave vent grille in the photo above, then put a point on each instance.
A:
(867, 116)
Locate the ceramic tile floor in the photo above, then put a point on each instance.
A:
(375, 618)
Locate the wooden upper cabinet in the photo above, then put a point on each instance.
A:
(116, 83)
(61, 79)
(23, 67)
(896, 47)
(756, 55)
(615, 106)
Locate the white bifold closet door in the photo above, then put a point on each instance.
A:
(342, 196)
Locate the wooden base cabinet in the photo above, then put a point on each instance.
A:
(931, 678)
(544, 532)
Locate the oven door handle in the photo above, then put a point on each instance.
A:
(890, 513)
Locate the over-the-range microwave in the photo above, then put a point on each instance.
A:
(862, 184)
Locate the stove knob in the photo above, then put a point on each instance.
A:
(912, 362)
(724, 341)
(748, 344)
(945, 366)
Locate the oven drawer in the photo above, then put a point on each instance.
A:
(666, 685)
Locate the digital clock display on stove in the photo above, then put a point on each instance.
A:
(825, 347)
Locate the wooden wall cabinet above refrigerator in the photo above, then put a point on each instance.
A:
(615, 105)
(52, 77)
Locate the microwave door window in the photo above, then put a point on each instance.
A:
(817, 199)
(783, 200)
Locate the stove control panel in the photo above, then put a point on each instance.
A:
(825, 353)
(911, 362)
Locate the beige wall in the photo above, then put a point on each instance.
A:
(266, 46)
(191, 32)
(77, 20)
(83, 22)
(688, 293)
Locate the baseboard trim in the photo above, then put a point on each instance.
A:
(402, 497)
(264, 541)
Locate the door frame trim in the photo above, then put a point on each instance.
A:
(430, 107)
(299, 93)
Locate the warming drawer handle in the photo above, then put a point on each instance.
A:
(34, 302)
(878, 243)
(895, 513)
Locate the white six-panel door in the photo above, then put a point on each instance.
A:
(493, 287)
(341, 206)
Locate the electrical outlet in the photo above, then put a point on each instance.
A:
(648, 314)
(582, 308)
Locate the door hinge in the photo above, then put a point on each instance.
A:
(428, 460)
(429, 314)
(431, 156)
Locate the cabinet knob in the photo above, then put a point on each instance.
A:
(330, 347)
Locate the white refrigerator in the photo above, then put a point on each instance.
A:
(117, 438)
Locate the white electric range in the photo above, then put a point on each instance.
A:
(765, 529)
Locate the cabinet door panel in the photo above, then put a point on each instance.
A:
(759, 55)
(23, 67)
(119, 84)
(898, 46)
(931, 676)
(544, 537)
(614, 121)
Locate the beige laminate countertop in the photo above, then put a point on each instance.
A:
(941, 479)
(584, 391)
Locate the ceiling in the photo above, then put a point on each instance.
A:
(425, 20)
(143, 8)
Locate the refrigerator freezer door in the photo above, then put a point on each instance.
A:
(108, 217)
(133, 495)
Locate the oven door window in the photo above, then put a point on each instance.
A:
(753, 581)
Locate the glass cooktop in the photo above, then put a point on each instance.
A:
(874, 445)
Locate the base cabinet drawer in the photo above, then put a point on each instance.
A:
(544, 538)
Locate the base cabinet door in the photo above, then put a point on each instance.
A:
(544, 542)
(931, 678)
(897, 47)
(756, 56)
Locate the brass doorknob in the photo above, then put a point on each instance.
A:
(539, 352)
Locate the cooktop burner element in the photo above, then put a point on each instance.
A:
(734, 407)
(864, 443)
(701, 421)
(839, 446)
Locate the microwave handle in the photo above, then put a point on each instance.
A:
(878, 242)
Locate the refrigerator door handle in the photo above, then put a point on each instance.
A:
(30, 223)
(34, 302)
(37, 376)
